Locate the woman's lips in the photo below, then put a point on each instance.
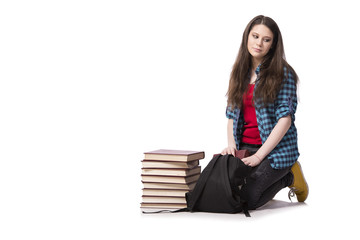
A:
(257, 49)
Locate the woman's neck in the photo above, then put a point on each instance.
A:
(255, 63)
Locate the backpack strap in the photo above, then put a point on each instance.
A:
(245, 209)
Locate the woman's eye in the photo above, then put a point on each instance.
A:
(267, 40)
(255, 36)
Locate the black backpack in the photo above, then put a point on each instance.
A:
(218, 187)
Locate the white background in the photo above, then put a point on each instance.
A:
(87, 86)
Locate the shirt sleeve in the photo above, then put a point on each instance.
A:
(286, 101)
(230, 113)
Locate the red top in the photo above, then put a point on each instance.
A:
(251, 134)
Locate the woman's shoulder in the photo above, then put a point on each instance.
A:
(290, 75)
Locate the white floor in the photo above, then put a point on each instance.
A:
(279, 219)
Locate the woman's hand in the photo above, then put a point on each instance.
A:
(229, 150)
(252, 161)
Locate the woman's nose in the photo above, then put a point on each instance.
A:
(259, 42)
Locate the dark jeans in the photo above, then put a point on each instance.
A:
(264, 181)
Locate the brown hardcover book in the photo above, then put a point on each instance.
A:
(174, 155)
(147, 207)
(164, 192)
(157, 185)
(163, 199)
(171, 171)
(165, 164)
(170, 179)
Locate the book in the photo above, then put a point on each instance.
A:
(163, 199)
(166, 164)
(164, 192)
(147, 207)
(174, 155)
(169, 186)
(171, 171)
(169, 179)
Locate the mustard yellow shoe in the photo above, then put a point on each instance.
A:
(299, 185)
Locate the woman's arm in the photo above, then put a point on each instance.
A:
(275, 137)
(278, 132)
(231, 141)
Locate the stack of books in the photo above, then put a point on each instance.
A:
(167, 175)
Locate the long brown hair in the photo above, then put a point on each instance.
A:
(271, 70)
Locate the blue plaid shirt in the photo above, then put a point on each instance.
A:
(286, 152)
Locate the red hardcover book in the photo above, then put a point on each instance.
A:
(239, 153)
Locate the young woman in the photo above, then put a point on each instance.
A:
(261, 111)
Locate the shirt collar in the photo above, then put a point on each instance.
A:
(257, 70)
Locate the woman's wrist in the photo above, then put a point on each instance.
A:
(260, 159)
(259, 155)
(231, 145)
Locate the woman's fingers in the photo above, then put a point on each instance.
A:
(228, 150)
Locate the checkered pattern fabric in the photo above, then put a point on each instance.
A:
(286, 152)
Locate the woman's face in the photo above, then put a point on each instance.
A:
(259, 41)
